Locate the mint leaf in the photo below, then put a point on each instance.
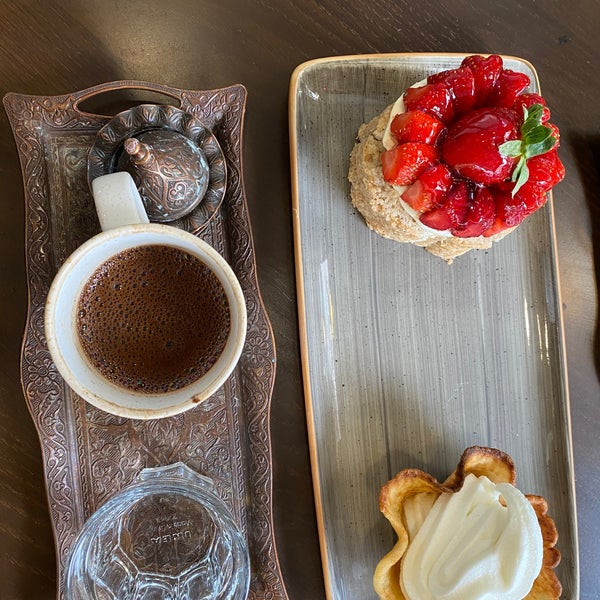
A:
(536, 139)
(520, 174)
(511, 148)
(538, 135)
(535, 112)
(540, 147)
(532, 119)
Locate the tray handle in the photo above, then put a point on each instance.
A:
(111, 86)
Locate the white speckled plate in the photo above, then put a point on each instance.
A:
(407, 360)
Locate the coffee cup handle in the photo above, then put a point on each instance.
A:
(118, 201)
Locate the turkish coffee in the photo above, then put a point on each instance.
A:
(153, 319)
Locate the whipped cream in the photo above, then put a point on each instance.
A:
(481, 543)
(389, 142)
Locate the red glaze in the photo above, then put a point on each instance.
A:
(429, 189)
(404, 163)
(546, 170)
(527, 101)
(415, 126)
(465, 188)
(507, 87)
(461, 84)
(480, 215)
(434, 99)
(511, 210)
(471, 146)
(451, 214)
(485, 72)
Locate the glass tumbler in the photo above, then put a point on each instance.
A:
(167, 536)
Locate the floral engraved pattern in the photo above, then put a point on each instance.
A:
(154, 121)
(89, 455)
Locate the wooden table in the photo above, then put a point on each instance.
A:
(55, 47)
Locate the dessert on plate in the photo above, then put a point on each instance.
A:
(473, 537)
(458, 161)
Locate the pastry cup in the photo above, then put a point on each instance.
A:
(406, 500)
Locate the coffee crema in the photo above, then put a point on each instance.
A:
(153, 319)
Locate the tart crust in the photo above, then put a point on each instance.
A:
(380, 205)
(412, 492)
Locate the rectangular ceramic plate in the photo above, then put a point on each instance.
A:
(407, 360)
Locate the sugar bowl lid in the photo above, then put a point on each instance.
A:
(175, 160)
(167, 535)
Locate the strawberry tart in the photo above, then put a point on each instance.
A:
(458, 161)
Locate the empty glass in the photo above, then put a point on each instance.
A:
(168, 536)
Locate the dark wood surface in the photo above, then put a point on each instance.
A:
(56, 47)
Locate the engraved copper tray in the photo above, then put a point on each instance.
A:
(88, 454)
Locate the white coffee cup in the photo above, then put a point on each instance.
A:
(125, 226)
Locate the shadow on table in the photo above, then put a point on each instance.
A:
(587, 153)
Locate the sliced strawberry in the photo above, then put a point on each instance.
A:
(502, 195)
(429, 189)
(480, 215)
(434, 99)
(497, 227)
(546, 170)
(511, 210)
(471, 145)
(416, 126)
(532, 196)
(452, 212)
(526, 201)
(555, 133)
(461, 83)
(507, 87)
(485, 71)
(527, 101)
(404, 163)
